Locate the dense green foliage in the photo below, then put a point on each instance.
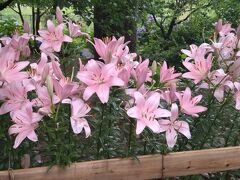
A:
(9, 26)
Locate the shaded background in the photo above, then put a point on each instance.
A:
(157, 29)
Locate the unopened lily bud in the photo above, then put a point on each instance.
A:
(154, 67)
(72, 73)
(26, 27)
(218, 26)
(49, 86)
(26, 51)
(45, 73)
(59, 15)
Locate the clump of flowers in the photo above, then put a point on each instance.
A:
(34, 93)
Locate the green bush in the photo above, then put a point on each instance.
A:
(8, 26)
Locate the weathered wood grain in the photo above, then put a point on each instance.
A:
(148, 167)
(145, 167)
(201, 161)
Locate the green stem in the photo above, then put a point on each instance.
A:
(64, 61)
(228, 135)
(145, 147)
(237, 136)
(56, 115)
(109, 130)
(196, 121)
(130, 136)
(100, 133)
(209, 106)
(213, 122)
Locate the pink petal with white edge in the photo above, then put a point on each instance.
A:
(164, 125)
(78, 124)
(139, 99)
(183, 128)
(162, 113)
(133, 112)
(140, 127)
(154, 126)
(67, 38)
(32, 136)
(153, 101)
(19, 138)
(171, 136)
(174, 112)
(187, 95)
(50, 26)
(89, 91)
(115, 81)
(219, 94)
(103, 93)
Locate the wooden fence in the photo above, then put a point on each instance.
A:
(148, 167)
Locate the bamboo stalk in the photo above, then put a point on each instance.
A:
(147, 167)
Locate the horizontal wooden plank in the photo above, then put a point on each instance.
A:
(201, 161)
(148, 167)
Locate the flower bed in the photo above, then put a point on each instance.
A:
(125, 106)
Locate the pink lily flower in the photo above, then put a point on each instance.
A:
(10, 72)
(142, 73)
(230, 40)
(124, 74)
(125, 65)
(167, 75)
(26, 26)
(99, 78)
(130, 92)
(62, 91)
(197, 53)
(20, 46)
(40, 71)
(59, 15)
(188, 104)
(17, 45)
(74, 30)
(44, 101)
(173, 126)
(53, 37)
(222, 81)
(63, 85)
(26, 121)
(78, 112)
(14, 96)
(169, 95)
(146, 112)
(198, 71)
(223, 29)
(109, 50)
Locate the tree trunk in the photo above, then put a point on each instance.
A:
(33, 21)
(112, 22)
(20, 12)
(38, 20)
(99, 14)
(56, 3)
(5, 4)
